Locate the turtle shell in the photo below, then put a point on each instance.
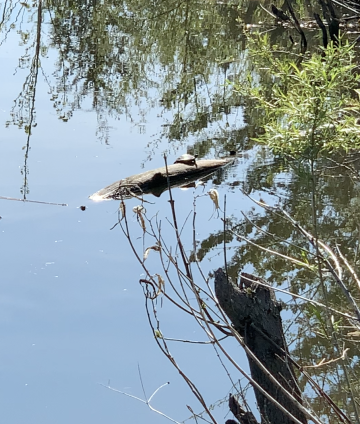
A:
(186, 159)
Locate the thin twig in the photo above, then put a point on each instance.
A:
(33, 201)
(147, 402)
(349, 267)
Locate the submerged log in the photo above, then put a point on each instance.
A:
(155, 181)
(255, 315)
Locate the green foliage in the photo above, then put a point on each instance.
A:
(307, 105)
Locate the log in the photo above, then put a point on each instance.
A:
(255, 315)
(155, 181)
(244, 417)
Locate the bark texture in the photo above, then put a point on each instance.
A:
(255, 314)
(155, 181)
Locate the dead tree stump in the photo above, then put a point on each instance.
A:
(255, 315)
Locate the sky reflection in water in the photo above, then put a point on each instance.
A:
(72, 312)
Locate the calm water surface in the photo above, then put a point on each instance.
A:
(107, 89)
(72, 312)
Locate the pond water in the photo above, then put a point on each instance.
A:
(93, 92)
(72, 312)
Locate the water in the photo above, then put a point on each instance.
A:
(118, 86)
(72, 312)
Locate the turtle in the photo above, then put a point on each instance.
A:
(187, 159)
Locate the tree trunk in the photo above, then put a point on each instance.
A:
(255, 315)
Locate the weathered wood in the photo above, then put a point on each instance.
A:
(155, 181)
(255, 314)
(244, 417)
